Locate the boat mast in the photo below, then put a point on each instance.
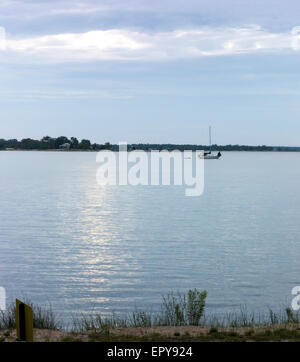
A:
(210, 138)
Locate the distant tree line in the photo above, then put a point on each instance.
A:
(215, 147)
(49, 143)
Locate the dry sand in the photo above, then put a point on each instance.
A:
(191, 331)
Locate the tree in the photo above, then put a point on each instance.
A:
(47, 143)
(85, 145)
(29, 144)
(107, 146)
(61, 140)
(13, 143)
(96, 146)
(74, 142)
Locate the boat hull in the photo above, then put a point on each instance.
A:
(210, 157)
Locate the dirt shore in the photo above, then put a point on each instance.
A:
(287, 332)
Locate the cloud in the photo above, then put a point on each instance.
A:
(2, 39)
(120, 44)
(144, 13)
(32, 95)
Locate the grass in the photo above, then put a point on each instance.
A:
(183, 309)
(187, 310)
(243, 318)
(177, 310)
(44, 318)
(282, 334)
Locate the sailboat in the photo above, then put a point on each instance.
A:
(209, 155)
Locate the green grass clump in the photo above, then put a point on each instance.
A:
(183, 309)
(176, 310)
(43, 318)
(249, 333)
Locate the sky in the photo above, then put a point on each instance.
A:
(158, 71)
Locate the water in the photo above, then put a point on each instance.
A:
(65, 240)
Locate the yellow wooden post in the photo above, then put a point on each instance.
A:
(24, 321)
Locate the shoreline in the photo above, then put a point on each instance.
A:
(181, 317)
(141, 150)
(264, 333)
